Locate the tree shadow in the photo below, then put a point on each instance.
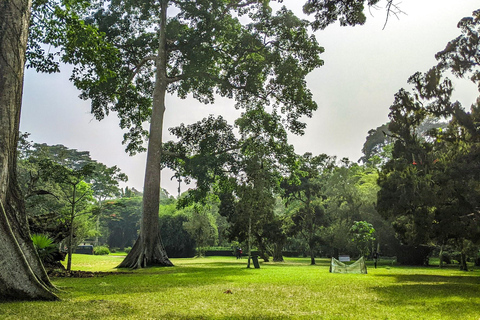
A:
(439, 293)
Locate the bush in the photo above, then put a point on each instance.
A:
(44, 245)
(128, 249)
(101, 250)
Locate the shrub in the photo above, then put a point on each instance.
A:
(101, 250)
(44, 245)
(128, 249)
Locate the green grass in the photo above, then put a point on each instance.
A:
(194, 289)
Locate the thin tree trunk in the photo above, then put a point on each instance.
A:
(249, 242)
(463, 256)
(70, 236)
(312, 256)
(22, 276)
(148, 249)
(440, 257)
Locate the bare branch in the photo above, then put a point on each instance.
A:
(392, 9)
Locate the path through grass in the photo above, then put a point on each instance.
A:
(195, 289)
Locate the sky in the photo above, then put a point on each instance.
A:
(364, 66)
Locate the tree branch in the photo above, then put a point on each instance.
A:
(136, 70)
(392, 9)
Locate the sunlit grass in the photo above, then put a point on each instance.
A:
(195, 289)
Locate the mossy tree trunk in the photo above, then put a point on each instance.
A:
(22, 276)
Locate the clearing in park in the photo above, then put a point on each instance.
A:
(223, 288)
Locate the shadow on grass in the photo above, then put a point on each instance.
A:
(442, 294)
(155, 279)
(434, 279)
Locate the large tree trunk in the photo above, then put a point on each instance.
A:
(22, 276)
(148, 249)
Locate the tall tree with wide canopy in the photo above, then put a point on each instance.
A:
(433, 180)
(201, 48)
(22, 275)
(242, 170)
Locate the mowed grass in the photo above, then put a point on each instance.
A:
(195, 289)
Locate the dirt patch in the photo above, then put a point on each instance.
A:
(81, 274)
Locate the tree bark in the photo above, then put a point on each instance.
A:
(148, 249)
(22, 276)
(70, 235)
(261, 248)
(277, 251)
(312, 256)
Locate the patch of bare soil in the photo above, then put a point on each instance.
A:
(80, 274)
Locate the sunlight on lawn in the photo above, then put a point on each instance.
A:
(223, 288)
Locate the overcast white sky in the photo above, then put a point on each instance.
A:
(364, 67)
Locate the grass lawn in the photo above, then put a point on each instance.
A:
(195, 289)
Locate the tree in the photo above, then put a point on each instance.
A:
(349, 13)
(120, 220)
(105, 185)
(433, 180)
(22, 275)
(306, 186)
(76, 192)
(363, 234)
(201, 50)
(242, 171)
(177, 241)
(59, 184)
(202, 228)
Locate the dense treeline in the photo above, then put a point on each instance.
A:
(341, 193)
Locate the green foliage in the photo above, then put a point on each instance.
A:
(201, 226)
(363, 234)
(44, 245)
(348, 13)
(61, 185)
(120, 221)
(430, 186)
(209, 51)
(176, 240)
(305, 187)
(101, 250)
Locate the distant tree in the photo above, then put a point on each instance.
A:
(305, 187)
(363, 235)
(76, 192)
(105, 185)
(376, 141)
(202, 228)
(177, 241)
(120, 219)
(54, 178)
